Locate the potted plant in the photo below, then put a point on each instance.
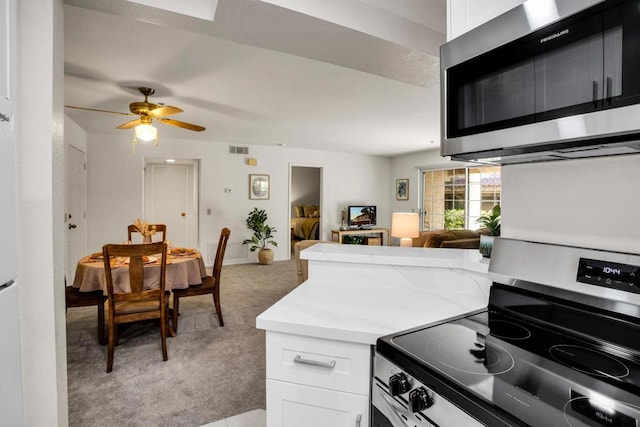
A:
(491, 221)
(262, 235)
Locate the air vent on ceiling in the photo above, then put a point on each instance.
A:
(238, 150)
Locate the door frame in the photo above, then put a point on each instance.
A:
(289, 209)
(194, 193)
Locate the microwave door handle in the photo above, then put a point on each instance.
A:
(609, 89)
(594, 87)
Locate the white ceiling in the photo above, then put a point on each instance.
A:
(264, 74)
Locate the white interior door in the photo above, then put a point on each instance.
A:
(171, 198)
(75, 217)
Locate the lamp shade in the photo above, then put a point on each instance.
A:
(405, 225)
(146, 132)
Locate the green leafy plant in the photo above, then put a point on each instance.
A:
(491, 220)
(262, 233)
(453, 219)
(353, 240)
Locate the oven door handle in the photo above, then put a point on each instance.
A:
(329, 365)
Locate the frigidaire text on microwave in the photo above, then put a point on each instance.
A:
(548, 80)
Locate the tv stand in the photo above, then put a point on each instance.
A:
(383, 233)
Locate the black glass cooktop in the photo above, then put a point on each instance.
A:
(539, 374)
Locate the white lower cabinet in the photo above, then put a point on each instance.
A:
(317, 382)
(295, 405)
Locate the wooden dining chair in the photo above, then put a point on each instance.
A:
(210, 284)
(160, 228)
(137, 304)
(74, 298)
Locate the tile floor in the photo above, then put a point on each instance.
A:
(255, 418)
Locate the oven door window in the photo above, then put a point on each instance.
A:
(579, 65)
(492, 91)
(622, 54)
(568, 69)
(379, 419)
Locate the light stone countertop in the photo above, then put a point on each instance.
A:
(467, 259)
(410, 287)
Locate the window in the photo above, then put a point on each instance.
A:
(455, 198)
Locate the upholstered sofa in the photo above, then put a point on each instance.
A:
(461, 239)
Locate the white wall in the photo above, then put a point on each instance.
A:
(115, 179)
(74, 135)
(589, 202)
(408, 166)
(464, 15)
(40, 179)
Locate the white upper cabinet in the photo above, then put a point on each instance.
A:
(464, 15)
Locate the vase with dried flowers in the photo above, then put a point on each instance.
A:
(145, 229)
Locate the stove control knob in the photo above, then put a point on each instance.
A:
(420, 399)
(399, 384)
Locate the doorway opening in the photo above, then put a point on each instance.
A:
(171, 197)
(305, 203)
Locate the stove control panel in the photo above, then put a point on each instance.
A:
(623, 277)
(399, 384)
(420, 399)
(420, 405)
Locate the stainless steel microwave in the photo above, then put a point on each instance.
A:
(548, 80)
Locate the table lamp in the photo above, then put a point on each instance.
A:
(405, 225)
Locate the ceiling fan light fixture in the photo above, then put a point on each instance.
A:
(146, 132)
(146, 112)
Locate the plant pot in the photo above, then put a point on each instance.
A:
(146, 239)
(486, 245)
(265, 256)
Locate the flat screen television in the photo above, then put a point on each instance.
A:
(363, 216)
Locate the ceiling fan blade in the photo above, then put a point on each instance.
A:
(164, 110)
(130, 124)
(100, 111)
(182, 124)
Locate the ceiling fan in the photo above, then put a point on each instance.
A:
(147, 112)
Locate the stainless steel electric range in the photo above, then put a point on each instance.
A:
(558, 345)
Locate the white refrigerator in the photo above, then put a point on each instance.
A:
(11, 407)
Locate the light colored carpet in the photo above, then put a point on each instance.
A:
(212, 373)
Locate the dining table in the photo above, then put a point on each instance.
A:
(184, 268)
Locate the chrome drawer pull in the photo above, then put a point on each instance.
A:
(300, 360)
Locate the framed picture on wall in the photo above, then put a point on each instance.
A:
(402, 189)
(258, 187)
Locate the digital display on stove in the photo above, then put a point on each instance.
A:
(600, 412)
(623, 277)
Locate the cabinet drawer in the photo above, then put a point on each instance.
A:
(293, 405)
(335, 365)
